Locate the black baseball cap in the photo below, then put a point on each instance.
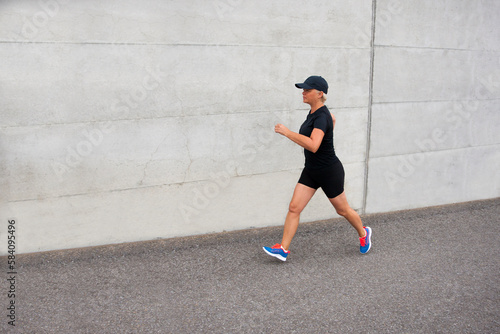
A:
(314, 82)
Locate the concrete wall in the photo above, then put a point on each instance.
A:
(125, 122)
(435, 122)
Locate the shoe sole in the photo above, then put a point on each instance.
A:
(369, 240)
(274, 255)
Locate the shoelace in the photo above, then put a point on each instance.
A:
(278, 246)
(362, 241)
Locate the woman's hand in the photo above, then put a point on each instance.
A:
(281, 129)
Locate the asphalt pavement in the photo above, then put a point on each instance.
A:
(432, 270)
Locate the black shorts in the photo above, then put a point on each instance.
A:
(330, 179)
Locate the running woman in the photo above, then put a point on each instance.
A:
(322, 169)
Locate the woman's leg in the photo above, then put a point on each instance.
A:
(301, 196)
(342, 207)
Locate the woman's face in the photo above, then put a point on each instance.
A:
(310, 95)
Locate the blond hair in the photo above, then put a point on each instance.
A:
(323, 97)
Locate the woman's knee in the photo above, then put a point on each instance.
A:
(341, 205)
(342, 211)
(295, 208)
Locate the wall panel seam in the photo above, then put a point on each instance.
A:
(370, 100)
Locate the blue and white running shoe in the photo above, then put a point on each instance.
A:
(277, 251)
(365, 243)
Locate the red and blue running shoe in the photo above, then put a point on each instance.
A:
(365, 243)
(277, 251)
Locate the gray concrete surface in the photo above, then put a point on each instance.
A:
(433, 270)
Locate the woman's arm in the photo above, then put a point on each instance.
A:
(309, 143)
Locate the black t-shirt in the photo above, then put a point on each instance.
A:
(325, 155)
